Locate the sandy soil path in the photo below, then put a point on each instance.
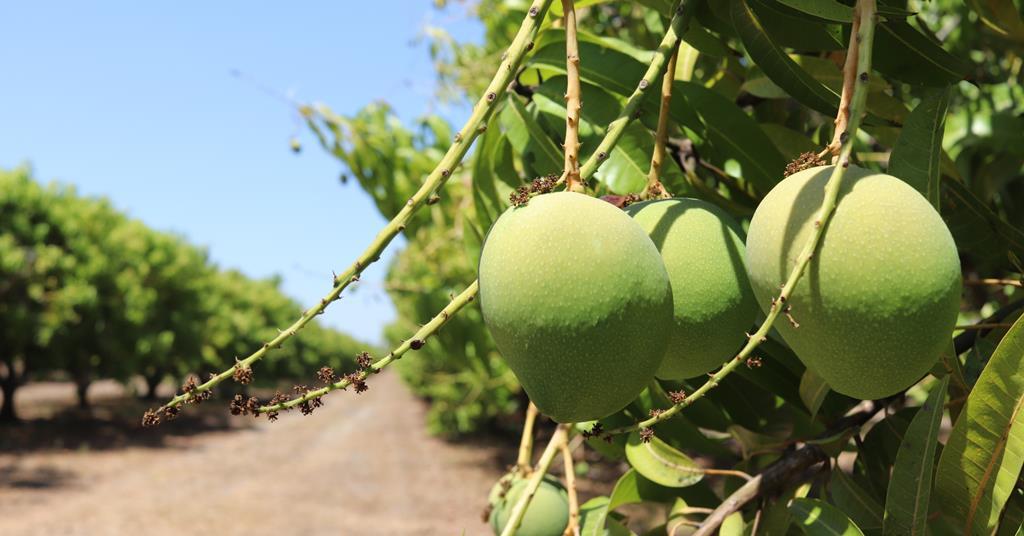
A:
(356, 467)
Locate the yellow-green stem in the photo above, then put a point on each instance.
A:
(677, 27)
(573, 100)
(543, 464)
(526, 441)
(654, 187)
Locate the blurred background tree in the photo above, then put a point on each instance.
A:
(87, 293)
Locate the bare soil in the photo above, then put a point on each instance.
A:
(363, 464)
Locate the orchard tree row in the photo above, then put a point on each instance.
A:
(88, 293)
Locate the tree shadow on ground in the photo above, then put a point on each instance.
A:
(113, 423)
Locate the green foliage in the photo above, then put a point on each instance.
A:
(89, 293)
(757, 84)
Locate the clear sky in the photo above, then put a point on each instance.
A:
(136, 101)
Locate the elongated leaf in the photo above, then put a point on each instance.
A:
(660, 463)
(1001, 16)
(825, 9)
(601, 66)
(538, 151)
(625, 172)
(813, 391)
(789, 28)
(977, 229)
(914, 58)
(818, 518)
(775, 63)
(981, 462)
(725, 126)
(906, 502)
(851, 498)
(915, 158)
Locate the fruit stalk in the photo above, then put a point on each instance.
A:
(654, 189)
(860, 46)
(573, 100)
(560, 436)
(526, 442)
(677, 27)
(573, 528)
(477, 123)
(417, 340)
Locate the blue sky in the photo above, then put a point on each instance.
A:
(136, 101)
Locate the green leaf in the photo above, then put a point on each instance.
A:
(788, 141)
(981, 462)
(539, 152)
(1001, 16)
(914, 58)
(825, 9)
(813, 391)
(733, 132)
(976, 228)
(906, 502)
(625, 171)
(660, 463)
(915, 158)
(851, 498)
(790, 29)
(732, 526)
(777, 65)
(602, 66)
(818, 518)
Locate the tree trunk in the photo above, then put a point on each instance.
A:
(7, 387)
(82, 390)
(152, 381)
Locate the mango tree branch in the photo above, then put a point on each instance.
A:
(677, 27)
(654, 189)
(573, 101)
(543, 464)
(860, 40)
(476, 124)
(850, 70)
(415, 342)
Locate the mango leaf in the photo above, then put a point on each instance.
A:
(601, 66)
(723, 125)
(906, 501)
(775, 63)
(981, 463)
(813, 391)
(977, 229)
(625, 171)
(660, 463)
(825, 9)
(788, 141)
(914, 58)
(540, 154)
(851, 498)
(818, 518)
(789, 28)
(595, 521)
(915, 158)
(877, 453)
(732, 526)
(1001, 16)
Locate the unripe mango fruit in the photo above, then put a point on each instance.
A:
(879, 298)
(578, 300)
(703, 251)
(547, 514)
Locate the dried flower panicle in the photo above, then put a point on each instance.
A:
(356, 379)
(279, 398)
(595, 431)
(363, 360)
(150, 418)
(804, 161)
(646, 434)
(242, 374)
(540, 185)
(326, 375)
(677, 397)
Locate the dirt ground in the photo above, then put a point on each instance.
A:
(361, 465)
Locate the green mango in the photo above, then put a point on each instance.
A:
(578, 301)
(879, 299)
(702, 247)
(547, 514)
